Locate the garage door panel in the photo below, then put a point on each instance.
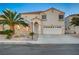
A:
(53, 31)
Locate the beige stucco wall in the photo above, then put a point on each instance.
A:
(1, 27)
(39, 25)
(52, 18)
(6, 27)
(21, 30)
(29, 17)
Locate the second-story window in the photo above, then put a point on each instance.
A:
(61, 16)
(43, 16)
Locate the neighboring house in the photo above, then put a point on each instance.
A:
(50, 21)
(70, 28)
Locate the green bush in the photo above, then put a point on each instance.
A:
(7, 32)
(31, 33)
(9, 36)
(2, 32)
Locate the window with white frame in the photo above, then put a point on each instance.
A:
(43, 16)
(61, 17)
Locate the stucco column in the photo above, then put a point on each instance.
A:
(32, 26)
(39, 28)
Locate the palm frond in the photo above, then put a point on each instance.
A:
(12, 18)
(3, 16)
(75, 21)
(17, 16)
(6, 13)
(13, 15)
(22, 23)
(4, 22)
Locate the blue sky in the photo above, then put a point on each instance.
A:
(68, 8)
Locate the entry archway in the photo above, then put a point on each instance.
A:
(37, 26)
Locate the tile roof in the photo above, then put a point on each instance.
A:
(38, 12)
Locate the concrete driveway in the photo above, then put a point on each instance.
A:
(58, 39)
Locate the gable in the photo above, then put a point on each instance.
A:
(38, 12)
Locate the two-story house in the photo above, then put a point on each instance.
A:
(50, 21)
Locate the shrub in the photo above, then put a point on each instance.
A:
(9, 36)
(31, 33)
(7, 32)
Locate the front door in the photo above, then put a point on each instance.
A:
(36, 28)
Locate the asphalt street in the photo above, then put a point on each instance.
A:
(39, 49)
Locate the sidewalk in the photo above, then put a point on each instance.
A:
(44, 39)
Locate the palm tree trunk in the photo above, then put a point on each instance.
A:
(12, 28)
(3, 27)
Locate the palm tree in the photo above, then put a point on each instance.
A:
(12, 18)
(75, 21)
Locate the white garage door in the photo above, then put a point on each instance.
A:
(53, 31)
